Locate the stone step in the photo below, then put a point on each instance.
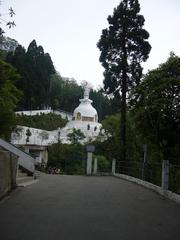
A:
(21, 174)
(37, 174)
(20, 180)
(23, 179)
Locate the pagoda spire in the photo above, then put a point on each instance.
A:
(86, 91)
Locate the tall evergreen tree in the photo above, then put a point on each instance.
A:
(36, 68)
(123, 47)
(41, 69)
(9, 97)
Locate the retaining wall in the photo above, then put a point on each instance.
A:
(8, 170)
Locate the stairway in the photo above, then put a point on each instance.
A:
(23, 179)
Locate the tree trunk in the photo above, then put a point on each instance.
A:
(123, 118)
(123, 102)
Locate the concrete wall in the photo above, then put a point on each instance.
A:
(8, 169)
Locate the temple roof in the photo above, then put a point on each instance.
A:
(85, 109)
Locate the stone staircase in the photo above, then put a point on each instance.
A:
(23, 179)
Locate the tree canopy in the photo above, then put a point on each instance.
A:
(9, 97)
(76, 136)
(47, 122)
(156, 106)
(123, 47)
(35, 68)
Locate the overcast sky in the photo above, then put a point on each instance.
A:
(70, 29)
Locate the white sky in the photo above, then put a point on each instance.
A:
(70, 29)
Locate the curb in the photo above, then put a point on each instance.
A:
(25, 184)
(166, 193)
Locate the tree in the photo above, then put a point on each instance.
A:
(156, 107)
(10, 24)
(36, 68)
(76, 136)
(9, 97)
(64, 93)
(8, 44)
(111, 144)
(123, 47)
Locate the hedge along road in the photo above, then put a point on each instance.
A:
(87, 208)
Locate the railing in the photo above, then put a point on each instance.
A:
(151, 172)
(174, 178)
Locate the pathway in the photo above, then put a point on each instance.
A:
(87, 208)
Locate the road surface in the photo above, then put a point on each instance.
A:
(87, 208)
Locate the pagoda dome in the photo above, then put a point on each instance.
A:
(85, 111)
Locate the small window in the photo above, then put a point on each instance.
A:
(78, 116)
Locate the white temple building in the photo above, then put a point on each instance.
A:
(85, 118)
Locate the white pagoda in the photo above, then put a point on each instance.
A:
(85, 118)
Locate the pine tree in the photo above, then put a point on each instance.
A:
(35, 68)
(123, 47)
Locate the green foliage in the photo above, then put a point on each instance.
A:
(123, 47)
(103, 104)
(156, 107)
(3, 54)
(7, 44)
(43, 121)
(9, 97)
(69, 158)
(153, 119)
(64, 93)
(104, 165)
(111, 147)
(36, 68)
(76, 136)
(111, 131)
(42, 86)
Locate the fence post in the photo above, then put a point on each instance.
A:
(113, 166)
(90, 149)
(89, 163)
(165, 175)
(95, 166)
(144, 160)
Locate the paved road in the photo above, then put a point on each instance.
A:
(87, 208)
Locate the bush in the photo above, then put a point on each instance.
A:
(104, 164)
(68, 157)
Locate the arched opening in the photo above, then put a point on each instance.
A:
(78, 116)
